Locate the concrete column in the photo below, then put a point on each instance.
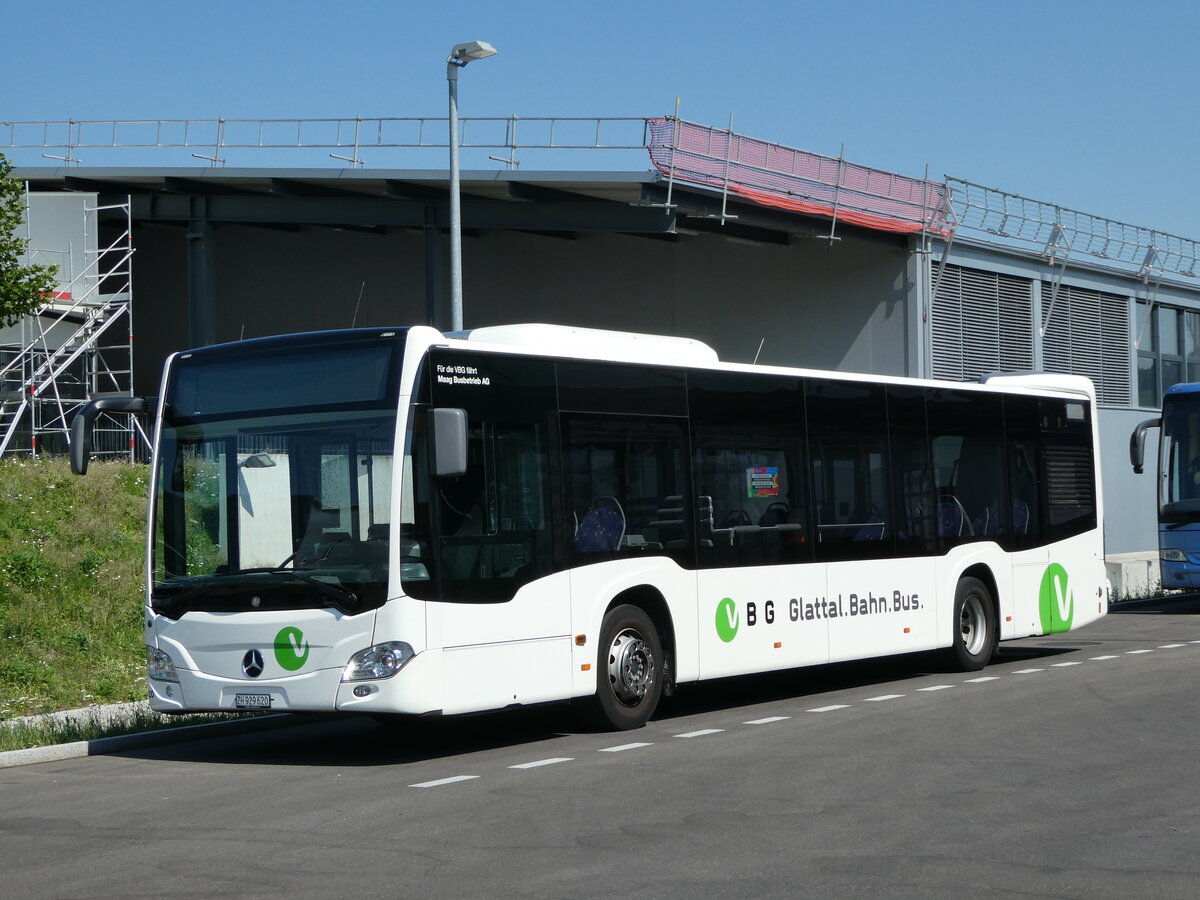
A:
(201, 281)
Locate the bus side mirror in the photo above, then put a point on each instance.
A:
(449, 429)
(1137, 443)
(81, 425)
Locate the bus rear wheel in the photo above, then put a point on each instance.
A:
(629, 671)
(975, 627)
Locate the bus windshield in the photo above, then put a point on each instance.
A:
(1180, 485)
(274, 481)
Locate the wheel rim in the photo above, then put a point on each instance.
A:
(630, 667)
(972, 623)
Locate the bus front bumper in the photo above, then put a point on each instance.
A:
(1179, 574)
(412, 690)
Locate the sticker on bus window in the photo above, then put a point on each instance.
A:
(762, 481)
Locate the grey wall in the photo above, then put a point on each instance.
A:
(62, 231)
(1130, 501)
(840, 305)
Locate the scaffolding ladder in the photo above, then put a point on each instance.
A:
(76, 346)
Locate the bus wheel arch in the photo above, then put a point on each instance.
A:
(976, 620)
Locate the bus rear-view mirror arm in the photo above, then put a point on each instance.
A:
(449, 429)
(81, 425)
(1137, 443)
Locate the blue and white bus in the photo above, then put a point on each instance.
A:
(1178, 484)
(400, 521)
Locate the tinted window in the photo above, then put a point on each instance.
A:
(621, 388)
(966, 437)
(484, 534)
(912, 476)
(316, 376)
(748, 440)
(1023, 440)
(626, 486)
(1067, 468)
(848, 455)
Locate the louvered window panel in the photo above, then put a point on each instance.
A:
(1087, 333)
(982, 323)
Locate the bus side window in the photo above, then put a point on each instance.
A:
(748, 457)
(966, 436)
(627, 487)
(851, 470)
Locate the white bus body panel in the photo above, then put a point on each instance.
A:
(595, 587)
(304, 653)
(502, 654)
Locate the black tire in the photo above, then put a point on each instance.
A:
(975, 627)
(629, 670)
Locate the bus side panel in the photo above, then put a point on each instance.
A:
(1064, 589)
(1028, 568)
(951, 569)
(593, 589)
(883, 606)
(759, 619)
(501, 654)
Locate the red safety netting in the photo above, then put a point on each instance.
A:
(795, 179)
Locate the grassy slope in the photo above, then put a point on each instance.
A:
(71, 580)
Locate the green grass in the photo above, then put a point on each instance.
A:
(71, 585)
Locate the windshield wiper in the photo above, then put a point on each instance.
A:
(344, 600)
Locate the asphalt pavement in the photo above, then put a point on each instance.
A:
(1063, 770)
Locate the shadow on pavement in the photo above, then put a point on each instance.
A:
(357, 740)
(1173, 604)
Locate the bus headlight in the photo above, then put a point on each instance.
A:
(379, 661)
(1172, 554)
(159, 666)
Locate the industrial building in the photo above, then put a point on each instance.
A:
(764, 252)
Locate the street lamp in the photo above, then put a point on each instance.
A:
(459, 57)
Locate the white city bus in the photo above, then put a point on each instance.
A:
(401, 521)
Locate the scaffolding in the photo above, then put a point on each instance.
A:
(78, 345)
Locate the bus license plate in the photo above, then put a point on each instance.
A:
(252, 701)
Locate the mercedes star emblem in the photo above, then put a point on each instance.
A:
(252, 663)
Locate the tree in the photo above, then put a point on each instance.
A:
(23, 287)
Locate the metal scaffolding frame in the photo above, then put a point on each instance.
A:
(76, 346)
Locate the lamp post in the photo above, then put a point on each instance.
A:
(458, 58)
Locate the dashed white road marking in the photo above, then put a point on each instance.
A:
(625, 747)
(439, 782)
(543, 762)
(1170, 646)
(829, 708)
(981, 679)
(1103, 657)
(767, 721)
(1135, 652)
(1065, 664)
(1027, 671)
(936, 687)
(700, 733)
(884, 697)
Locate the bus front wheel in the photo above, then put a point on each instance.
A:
(629, 676)
(975, 629)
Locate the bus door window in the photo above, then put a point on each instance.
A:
(966, 435)
(848, 455)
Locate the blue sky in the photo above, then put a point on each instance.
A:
(1089, 105)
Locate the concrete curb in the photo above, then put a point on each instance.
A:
(124, 742)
